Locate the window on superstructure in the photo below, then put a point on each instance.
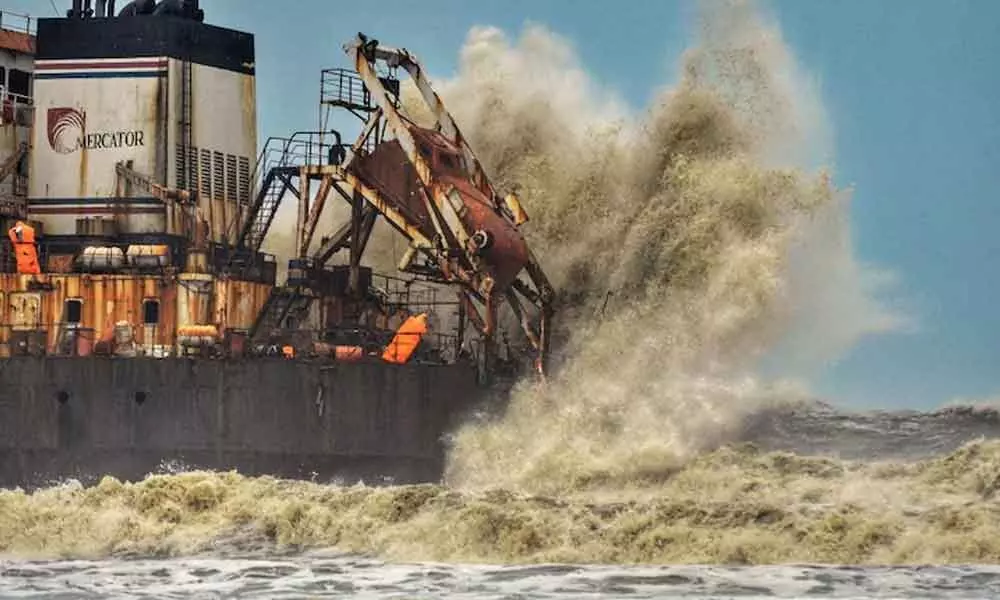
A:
(151, 312)
(74, 311)
(3, 77)
(19, 82)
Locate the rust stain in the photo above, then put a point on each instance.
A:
(248, 106)
(82, 179)
(240, 302)
(194, 299)
(17, 41)
(158, 124)
(108, 299)
(59, 263)
(389, 171)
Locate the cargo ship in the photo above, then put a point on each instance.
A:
(144, 327)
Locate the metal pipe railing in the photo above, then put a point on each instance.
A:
(24, 23)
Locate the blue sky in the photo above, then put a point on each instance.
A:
(911, 88)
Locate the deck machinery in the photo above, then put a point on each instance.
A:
(136, 295)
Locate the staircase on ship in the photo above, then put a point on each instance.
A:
(288, 305)
(310, 280)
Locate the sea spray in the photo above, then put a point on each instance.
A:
(668, 235)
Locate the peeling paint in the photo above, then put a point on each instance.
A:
(107, 299)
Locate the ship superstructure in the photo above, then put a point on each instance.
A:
(143, 147)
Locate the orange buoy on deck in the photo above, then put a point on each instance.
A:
(23, 238)
(405, 342)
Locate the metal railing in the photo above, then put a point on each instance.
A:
(19, 22)
(344, 88)
(409, 294)
(260, 267)
(302, 148)
(16, 108)
(21, 99)
(74, 341)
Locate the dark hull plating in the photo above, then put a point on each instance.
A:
(63, 418)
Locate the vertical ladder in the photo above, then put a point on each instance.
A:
(189, 165)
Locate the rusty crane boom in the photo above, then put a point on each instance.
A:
(427, 183)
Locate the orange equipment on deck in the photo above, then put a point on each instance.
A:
(405, 342)
(23, 238)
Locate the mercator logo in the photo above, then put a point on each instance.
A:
(67, 129)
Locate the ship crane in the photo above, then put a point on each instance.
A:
(426, 182)
(445, 204)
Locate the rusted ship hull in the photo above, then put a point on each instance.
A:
(73, 418)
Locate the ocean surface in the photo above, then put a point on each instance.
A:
(318, 576)
(228, 569)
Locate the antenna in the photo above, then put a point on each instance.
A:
(81, 10)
